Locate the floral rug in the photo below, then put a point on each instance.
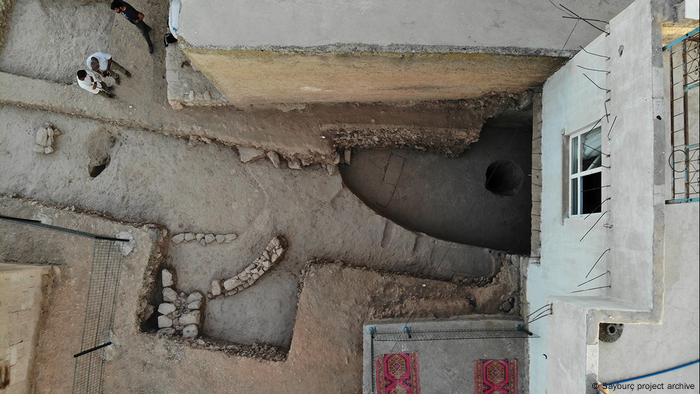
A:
(397, 373)
(496, 377)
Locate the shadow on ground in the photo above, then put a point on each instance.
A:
(482, 198)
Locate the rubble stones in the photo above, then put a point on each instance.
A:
(169, 295)
(180, 314)
(45, 137)
(203, 239)
(294, 164)
(254, 271)
(167, 278)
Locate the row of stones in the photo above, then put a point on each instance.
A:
(248, 155)
(203, 239)
(180, 314)
(268, 258)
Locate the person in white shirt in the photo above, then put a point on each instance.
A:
(89, 82)
(102, 63)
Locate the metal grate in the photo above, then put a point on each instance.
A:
(684, 159)
(99, 316)
(107, 259)
(409, 335)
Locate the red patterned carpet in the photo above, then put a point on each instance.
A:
(397, 373)
(496, 377)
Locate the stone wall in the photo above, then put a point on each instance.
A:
(21, 294)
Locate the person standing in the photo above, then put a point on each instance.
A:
(134, 17)
(102, 63)
(88, 81)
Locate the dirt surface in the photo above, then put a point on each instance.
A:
(151, 178)
(325, 354)
(176, 184)
(309, 132)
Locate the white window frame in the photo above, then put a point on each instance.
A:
(575, 153)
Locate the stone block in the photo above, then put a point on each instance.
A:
(230, 237)
(190, 318)
(167, 277)
(199, 236)
(215, 288)
(166, 308)
(189, 237)
(164, 321)
(194, 296)
(209, 238)
(194, 305)
(169, 331)
(231, 283)
(178, 238)
(220, 238)
(190, 331)
(169, 295)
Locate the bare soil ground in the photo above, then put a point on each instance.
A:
(326, 350)
(181, 186)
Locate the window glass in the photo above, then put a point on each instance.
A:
(574, 155)
(574, 196)
(585, 178)
(591, 193)
(590, 148)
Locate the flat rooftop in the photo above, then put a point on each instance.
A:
(421, 25)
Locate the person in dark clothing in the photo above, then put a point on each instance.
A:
(134, 17)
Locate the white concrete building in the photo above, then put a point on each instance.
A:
(614, 246)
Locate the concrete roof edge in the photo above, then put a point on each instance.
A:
(397, 48)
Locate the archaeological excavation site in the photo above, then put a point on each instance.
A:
(340, 196)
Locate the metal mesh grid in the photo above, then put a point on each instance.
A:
(99, 315)
(398, 336)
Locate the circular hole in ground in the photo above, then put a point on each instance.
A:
(98, 146)
(504, 177)
(95, 170)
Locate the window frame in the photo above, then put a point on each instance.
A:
(575, 148)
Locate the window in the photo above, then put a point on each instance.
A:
(585, 177)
